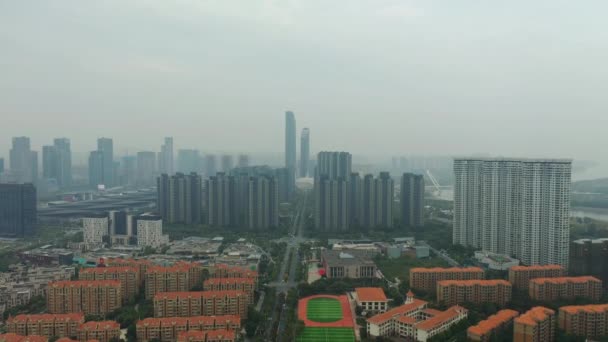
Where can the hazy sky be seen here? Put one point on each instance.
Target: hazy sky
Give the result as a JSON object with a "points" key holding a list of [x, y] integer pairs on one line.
{"points": [[513, 78]]}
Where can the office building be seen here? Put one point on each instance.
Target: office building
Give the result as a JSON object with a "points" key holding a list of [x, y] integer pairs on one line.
{"points": [[47, 325], [536, 325], [371, 299], [412, 200], [127, 276], [552, 289], [189, 161], [227, 163], [206, 303], [590, 321], [146, 168], [104, 331], [290, 152], [353, 264], [493, 327], [520, 276], [165, 157], [169, 329], [235, 284], [584, 256], [453, 292], [413, 321], [23, 161], [426, 278], [179, 198], [150, 232], [94, 228], [210, 165], [304, 152], [385, 189], [106, 147], [243, 161], [91, 297], [57, 162], [517, 207], [17, 210]]}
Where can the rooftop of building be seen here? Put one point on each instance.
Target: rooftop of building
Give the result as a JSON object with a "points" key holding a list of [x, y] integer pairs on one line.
{"points": [[523, 160], [80, 283], [206, 320], [347, 257], [230, 281], [592, 241], [97, 325], [198, 294], [473, 282], [441, 318], [109, 269], [534, 316], [446, 270], [12, 337], [398, 311], [370, 294], [536, 268], [565, 280], [493, 322], [592, 308], [46, 317]]}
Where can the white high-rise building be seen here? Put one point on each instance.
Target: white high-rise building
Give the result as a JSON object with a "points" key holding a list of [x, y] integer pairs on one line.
{"points": [[94, 229], [150, 232], [519, 207]]}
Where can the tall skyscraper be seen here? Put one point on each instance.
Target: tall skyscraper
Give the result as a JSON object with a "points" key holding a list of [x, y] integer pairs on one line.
{"points": [[243, 160], [146, 168], [227, 163], [368, 216], [290, 151], [331, 189], [519, 207], [24, 161], [166, 160], [210, 165], [412, 200], [221, 206], [179, 198], [17, 210], [355, 195], [106, 147], [63, 172], [188, 161], [128, 171], [304, 152], [95, 169], [49, 162], [1, 166], [385, 189], [262, 206]]}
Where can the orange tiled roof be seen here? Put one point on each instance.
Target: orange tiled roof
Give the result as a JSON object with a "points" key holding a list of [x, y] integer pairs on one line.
{"points": [[49, 317], [537, 268], [193, 333], [446, 270], [82, 283], [230, 281], [112, 269], [400, 310], [406, 319], [101, 325], [482, 282], [169, 269], [12, 337], [593, 308], [199, 294], [493, 322], [370, 294], [431, 312], [207, 320], [564, 280], [534, 315], [441, 318], [227, 334]]}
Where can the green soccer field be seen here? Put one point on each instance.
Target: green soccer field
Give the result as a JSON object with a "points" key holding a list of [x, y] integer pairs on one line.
{"points": [[324, 310], [327, 335]]}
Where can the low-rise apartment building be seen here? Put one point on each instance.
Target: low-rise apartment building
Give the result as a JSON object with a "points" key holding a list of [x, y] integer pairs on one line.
{"points": [[206, 303], [169, 328], [207, 336], [536, 325], [91, 297], [493, 326], [550, 289], [101, 331], [426, 278], [234, 284], [226, 271], [49, 325], [590, 321], [371, 299], [127, 275], [453, 292], [520, 276], [12, 337]]}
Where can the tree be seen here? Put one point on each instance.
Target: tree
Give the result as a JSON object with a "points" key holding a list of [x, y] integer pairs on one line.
{"points": [[300, 327]]}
